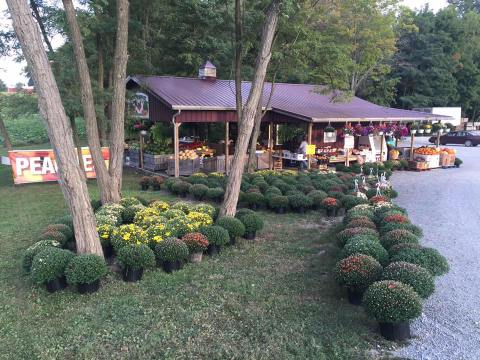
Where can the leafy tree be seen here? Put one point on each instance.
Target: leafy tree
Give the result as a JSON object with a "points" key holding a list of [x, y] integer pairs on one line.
{"points": [[3, 86]]}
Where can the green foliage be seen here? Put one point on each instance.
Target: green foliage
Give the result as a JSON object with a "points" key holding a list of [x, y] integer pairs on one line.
{"points": [[136, 256], [252, 221], [182, 206], [400, 236], [234, 226], [196, 242], [49, 264], [85, 269], [345, 235], [317, 197], [417, 277], [350, 201], [64, 229], [129, 213], [180, 187], [427, 258], [215, 194], [392, 302], [395, 249], [33, 250], [130, 201], [366, 247], [363, 222], [171, 249], [357, 271], [277, 202], [406, 226], [199, 191], [216, 235], [55, 236], [299, 201]]}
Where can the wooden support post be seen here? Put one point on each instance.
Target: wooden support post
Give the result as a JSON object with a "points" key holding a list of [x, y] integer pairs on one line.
{"points": [[411, 146], [438, 139], [382, 139], [176, 148], [141, 151], [270, 146], [227, 140], [347, 160], [310, 128]]}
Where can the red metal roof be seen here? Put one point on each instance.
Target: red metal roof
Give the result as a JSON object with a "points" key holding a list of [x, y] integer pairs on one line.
{"points": [[298, 100]]}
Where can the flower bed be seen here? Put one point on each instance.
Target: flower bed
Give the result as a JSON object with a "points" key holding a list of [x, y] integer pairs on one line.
{"points": [[392, 242]]}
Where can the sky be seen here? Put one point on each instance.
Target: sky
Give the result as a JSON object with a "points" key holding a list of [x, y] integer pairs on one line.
{"points": [[11, 72]]}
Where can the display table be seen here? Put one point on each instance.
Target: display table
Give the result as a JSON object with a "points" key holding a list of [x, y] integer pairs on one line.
{"points": [[432, 161], [342, 158]]}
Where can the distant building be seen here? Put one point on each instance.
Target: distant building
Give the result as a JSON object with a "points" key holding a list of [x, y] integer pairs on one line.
{"points": [[454, 112]]}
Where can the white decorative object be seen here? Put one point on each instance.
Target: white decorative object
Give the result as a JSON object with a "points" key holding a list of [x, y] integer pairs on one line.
{"points": [[413, 131]]}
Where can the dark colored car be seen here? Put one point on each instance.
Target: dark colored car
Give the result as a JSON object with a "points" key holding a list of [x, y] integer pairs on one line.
{"points": [[467, 138]]}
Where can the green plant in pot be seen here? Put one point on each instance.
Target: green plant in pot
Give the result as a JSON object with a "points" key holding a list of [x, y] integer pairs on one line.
{"points": [[62, 228], [356, 273], [197, 243], [393, 304], [85, 271], [234, 227], [331, 205], [34, 249], [48, 268], [171, 253], [458, 162], [329, 131], [300, 202], [217, 237], [254, 200], [134, 258], [199, 191], [317, 197], [252, 222], [417, 277], [144, 183], [156, 182], [278, 203]]}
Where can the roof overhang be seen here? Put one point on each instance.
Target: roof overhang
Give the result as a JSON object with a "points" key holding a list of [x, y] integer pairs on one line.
{"points": [[416, 118]]}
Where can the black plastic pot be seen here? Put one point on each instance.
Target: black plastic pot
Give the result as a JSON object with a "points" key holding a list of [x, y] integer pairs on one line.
{"points": [[170, 266], [156, 187], [132, 275], [107, 250], [213, 249], [331, 212], [253, 206], [233, 240], [280, 210], [56, 284], [144, 187], [396, 332], [301, 210], [250, 235], [88, 288], [354, 296]]}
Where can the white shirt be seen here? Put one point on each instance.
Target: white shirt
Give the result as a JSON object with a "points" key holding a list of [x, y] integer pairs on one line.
{"points": [[303, 148]]}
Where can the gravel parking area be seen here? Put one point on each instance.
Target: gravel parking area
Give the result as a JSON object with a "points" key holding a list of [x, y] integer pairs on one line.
{"points": [[446, 204]]}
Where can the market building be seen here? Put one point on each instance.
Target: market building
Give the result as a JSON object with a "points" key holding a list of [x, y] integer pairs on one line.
{"points": [[328, 124]]}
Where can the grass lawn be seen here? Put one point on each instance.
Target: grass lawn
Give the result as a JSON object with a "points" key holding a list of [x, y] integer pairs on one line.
{"points": [[270, 299]]}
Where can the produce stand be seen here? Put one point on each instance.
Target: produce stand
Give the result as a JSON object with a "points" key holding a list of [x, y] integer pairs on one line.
{"points": [[186, 167]]}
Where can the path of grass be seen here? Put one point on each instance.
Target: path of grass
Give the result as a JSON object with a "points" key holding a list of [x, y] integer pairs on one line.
{"points": [[271, 299]]}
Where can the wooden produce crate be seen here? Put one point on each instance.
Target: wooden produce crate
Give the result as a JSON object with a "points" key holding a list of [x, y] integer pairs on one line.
{"points": [[417, 165], [262, 161], [187, 167], [433, 161], [215, 163], [155, 162], [447, 160]]}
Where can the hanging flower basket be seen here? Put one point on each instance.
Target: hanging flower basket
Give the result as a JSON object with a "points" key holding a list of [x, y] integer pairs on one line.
{"points": [[421, 131], [413, 131]]}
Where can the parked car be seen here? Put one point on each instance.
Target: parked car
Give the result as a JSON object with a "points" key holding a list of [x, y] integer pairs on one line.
{"points": [[468, 138]]}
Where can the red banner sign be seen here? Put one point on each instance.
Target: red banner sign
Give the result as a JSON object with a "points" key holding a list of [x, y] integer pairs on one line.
{"points": [[32, 166]]}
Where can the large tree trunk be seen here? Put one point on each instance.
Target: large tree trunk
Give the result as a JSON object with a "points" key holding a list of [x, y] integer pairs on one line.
{"points": [[102, 123], [238, 58], [72, 180], [36, 15], [117, 133], [229, 205], [107, 193], [252, 156], [7, 143], [76, 141]]}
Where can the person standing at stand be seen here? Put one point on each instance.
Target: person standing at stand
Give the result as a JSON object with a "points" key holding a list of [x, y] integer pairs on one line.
{"points": [[302, 149]]}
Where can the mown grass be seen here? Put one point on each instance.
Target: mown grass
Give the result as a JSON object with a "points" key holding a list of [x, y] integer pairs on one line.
{"points": [[270, 299]]}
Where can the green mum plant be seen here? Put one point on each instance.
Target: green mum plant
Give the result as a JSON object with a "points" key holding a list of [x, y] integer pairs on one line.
{"points": [[417, 277], [395, 249], [50, 264], [171, 249], [64, 229], [136, 256], [85, 269], [130, 201], [300, 201], [345, 235], [366, 247], [357, 271], [399, 236], [363, 222], [277, 202], [199, 191], [427, 258], [54, 235], [182, 206], [33, 250], [252, 222], [390, 301], [234, 226], [216, 235]]}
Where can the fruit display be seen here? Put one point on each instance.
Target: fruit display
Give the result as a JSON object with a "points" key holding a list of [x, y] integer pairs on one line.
{"points": [[205, 151], [425, 150], [447, 151], [188, 155]]}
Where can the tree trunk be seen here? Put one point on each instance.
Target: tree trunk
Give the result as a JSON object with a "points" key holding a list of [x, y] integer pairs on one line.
{"points": [[7, 143], [117, 133], [72, 179], [107, 193], [76, 141], [101, 120], [252, 157], [238, 58], [36, 15], [229, 205]]}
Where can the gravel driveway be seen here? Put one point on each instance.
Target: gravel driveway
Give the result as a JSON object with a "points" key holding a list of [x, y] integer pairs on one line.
{"points": [[446, 204]]}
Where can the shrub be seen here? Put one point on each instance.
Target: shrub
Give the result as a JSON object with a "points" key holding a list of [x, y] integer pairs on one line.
{"points": [[179, 226], [64, 229], [357, 271], [49, 264], [299, 201], [395, 226], [144, 181], [395, 218], [157, 181], [350, 201], [395, 249], [128, 234], [366, 247], [330, 203], [215, 194], [54, 235], [417, 277], [182, 206], [159, 206], [130, 201], [196, 242], [34, 249], [130, 212], [317, 196], [85, 269], [272, 190], [142, 200], [242, 212], [277, 202], [378, 198], [392, 302], [136, 256], [344, 235], [67, 220], [363, 221], [400, 236], [458, 162], [105, 233], [253, 222], [427, 258], [181, 187], [171, 249], [355, 214], [254, 199], [204, 209], [371, 193], [196, 220], [199, 191], [363, 237], [390, 193], [216, 235], [234, 226]]}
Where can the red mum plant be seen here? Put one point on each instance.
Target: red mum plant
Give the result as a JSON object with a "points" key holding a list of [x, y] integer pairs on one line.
{"points": [[357, 271], [378, 198], [195, 241], [330, 203], [396, 218]]}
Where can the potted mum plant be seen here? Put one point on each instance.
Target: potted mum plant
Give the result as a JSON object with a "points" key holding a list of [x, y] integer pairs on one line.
{"points": [[253, 223], [331, 205], [416, 276], [144, 183], [393, 304], [48, 268], [171, 253], [300, 202], [85, 271], [134, 258], [197, 243], [329, 131], [278, 203], [356, 273], [234, 227], [421, 128], [217, 237], [414, 128], [427, 128], [156, 182]]}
